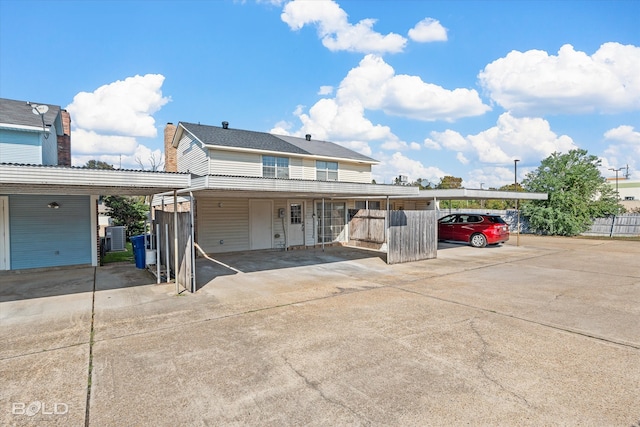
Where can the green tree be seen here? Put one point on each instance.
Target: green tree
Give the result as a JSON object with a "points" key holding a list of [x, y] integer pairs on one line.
{"points": [[128, 211], [422, 184], [449, 181], [97, 164], [577, 194]]}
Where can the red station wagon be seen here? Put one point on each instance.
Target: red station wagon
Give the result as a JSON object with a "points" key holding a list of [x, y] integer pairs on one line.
{"points": [[477, 229]]}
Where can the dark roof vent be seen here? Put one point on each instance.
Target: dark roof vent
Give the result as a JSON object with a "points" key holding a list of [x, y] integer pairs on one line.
{"points": [[225, 125], [308, 137]]}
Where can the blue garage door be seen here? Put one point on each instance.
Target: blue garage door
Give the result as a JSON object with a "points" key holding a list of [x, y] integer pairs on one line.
{"points": [[43, 236]]}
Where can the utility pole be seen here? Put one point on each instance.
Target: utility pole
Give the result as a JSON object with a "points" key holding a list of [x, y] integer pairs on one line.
{"points": [[616, 171]]}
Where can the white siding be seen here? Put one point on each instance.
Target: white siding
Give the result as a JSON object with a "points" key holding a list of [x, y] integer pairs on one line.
{"points": [[235, 163], [191, 156], [297, 168], [309, 169], [351, 172], [347, 172], [225, 220]]}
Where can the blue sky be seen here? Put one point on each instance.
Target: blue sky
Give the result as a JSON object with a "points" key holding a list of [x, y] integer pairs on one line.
{"points": [[428, 88]]}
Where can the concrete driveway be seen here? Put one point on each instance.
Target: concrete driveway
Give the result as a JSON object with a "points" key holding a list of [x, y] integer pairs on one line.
{"points": [[546, 333]]}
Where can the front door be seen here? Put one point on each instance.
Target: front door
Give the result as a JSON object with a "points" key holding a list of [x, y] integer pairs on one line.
{"points": [[295, 230], [261, 224]]}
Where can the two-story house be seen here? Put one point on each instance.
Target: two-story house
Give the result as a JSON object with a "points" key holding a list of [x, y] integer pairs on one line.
{"points": [[48, 209], [255, 190]]}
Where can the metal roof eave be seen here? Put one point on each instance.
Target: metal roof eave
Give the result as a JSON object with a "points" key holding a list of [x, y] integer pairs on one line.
{"points": [[472, 194], [288, 187], [33, 179]]}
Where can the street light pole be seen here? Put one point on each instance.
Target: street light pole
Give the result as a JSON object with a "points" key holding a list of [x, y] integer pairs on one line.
{"points": [[515, 188]]}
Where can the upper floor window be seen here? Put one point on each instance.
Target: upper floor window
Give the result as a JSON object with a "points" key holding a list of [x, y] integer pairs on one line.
{"points": [[275, 167], [326, 171]]}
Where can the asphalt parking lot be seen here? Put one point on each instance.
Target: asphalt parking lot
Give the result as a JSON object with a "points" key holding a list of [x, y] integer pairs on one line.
{"points": [[544, 333]]}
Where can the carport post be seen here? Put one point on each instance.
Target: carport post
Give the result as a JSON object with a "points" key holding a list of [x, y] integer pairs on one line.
{"points": [[158, 253], [322, 224], [192, 208], [166, 251], [175, 239]]}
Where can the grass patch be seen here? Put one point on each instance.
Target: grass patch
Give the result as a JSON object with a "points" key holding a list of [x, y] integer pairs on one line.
{"points": [[124, 256]]}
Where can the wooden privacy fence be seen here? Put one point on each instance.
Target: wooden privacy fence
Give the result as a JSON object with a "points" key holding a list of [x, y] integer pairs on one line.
{"points": [[367, 227], [412, 235], [623, 225], [185, 276]]}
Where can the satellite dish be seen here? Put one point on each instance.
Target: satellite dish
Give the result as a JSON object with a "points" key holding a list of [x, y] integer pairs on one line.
{"points": [[40, 109]]}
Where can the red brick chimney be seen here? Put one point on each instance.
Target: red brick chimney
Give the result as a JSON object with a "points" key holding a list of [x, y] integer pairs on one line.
{"points": [[170, 153], [64, 140]]}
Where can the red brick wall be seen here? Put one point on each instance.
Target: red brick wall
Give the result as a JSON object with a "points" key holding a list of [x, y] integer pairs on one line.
{"points": [[64, 141], [170, 153]]}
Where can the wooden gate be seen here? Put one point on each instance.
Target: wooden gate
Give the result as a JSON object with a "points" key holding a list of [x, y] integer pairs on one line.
{"points": [[185, 276], [413, 236]]}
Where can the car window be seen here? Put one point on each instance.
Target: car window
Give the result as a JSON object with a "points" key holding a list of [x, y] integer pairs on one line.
{"points": [[474, 218], [496, 219], [448, 219], [462, 218]]}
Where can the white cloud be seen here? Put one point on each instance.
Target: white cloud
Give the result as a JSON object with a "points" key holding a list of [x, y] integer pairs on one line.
{"points": [[428, 30], [399, 164], [462, 159], [325, 90], [528, 139], [335, 30], [124, 107], [107, 122], [449, 139], [415, 146], [431, 144], [85, 142], [625, 134], [493, 177], [624, 150], [534, 82], [375, 84]]}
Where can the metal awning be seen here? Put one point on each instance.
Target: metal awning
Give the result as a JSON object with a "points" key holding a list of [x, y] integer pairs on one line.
{"points": [[471, 194], [35, 179], [256, 187]]}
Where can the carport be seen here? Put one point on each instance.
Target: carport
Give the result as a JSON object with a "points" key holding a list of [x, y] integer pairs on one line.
{"points": [[55, 198], [228, 211], [227, 202]]}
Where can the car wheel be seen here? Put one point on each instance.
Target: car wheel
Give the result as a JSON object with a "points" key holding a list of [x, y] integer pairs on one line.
{"points": [[478, 240]]}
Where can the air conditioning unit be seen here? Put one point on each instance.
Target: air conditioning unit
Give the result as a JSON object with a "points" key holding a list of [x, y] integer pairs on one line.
{"points": [[116, 238]]}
